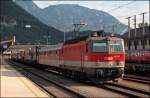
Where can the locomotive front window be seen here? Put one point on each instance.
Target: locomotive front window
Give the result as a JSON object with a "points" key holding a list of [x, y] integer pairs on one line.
{"points": [[99, 47], [116, 47]]}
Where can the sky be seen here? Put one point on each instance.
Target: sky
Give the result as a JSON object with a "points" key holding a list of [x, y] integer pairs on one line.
{"points": [[118, 9]]}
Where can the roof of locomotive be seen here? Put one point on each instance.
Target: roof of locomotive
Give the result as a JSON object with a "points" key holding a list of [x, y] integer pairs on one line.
{"points": [[101, 35], [76, 40], [105, 38], [83, 38]]}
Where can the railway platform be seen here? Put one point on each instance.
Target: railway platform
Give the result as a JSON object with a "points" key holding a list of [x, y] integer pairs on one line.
{"points": [[14, 84]]}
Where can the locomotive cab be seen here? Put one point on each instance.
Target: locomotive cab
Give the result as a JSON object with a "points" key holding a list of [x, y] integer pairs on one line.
{"points": [[107, 56]]}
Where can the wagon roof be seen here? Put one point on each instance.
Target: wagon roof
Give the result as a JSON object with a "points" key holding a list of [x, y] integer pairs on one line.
{"points": [[51, 47]]}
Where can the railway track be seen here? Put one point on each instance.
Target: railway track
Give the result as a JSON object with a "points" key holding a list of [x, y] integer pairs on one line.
{"points": [[135, 78], [81, 90], [129, 91], [85, 90], [51, 87]]}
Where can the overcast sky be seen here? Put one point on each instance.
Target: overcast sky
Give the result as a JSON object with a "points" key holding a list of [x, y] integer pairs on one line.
{"points": [[119, 9]]}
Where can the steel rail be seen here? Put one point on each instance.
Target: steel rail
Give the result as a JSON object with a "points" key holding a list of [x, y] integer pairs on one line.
{"points": [[137, 79], [29, 70], [131, 92]]}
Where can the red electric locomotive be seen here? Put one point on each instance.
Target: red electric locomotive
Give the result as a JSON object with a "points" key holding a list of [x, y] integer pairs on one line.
{"points": [[93, 57]]}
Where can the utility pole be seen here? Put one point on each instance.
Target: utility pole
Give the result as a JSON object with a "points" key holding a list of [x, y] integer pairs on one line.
{"points": [[113, 28], [103, 25], [14, 40], [143, 21], [47, 37], [135, 25], [128, 26], [64, 37]]}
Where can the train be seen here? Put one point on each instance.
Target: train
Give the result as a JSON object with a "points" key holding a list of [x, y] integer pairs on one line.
{"points": [[138, 61], [95, 57], [138, 56], [137, 49]]}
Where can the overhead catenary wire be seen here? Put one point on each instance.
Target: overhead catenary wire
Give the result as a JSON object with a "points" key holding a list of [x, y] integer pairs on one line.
{"points": [[121, 6]]}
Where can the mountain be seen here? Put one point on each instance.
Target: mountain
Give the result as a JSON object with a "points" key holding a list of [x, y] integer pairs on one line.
{"points": [[14, 20], [30, 7], [63, 16]]}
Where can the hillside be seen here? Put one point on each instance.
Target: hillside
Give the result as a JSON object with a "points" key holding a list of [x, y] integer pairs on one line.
{"points": [[63, 17], [14, 20]]}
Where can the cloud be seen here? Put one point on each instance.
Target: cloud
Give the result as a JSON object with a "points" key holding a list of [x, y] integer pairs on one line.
{"points": [[43, 4]]}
